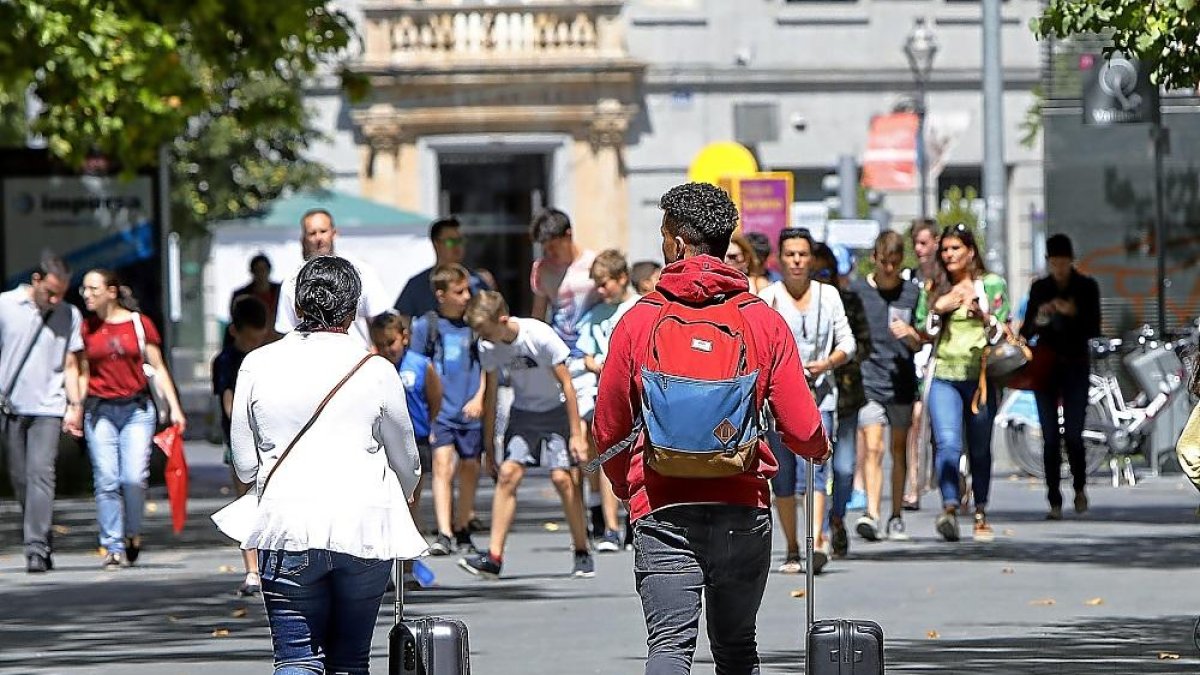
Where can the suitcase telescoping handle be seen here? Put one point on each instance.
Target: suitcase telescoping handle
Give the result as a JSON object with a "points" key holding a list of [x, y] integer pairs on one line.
{"points": [[809, 506], [398, 582]]}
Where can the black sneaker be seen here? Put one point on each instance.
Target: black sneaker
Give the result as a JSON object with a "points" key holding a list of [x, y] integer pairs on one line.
{"points": [[597, 529], [839, 541], [820, 560], [36, 564], [133, 548], [475, 526], [481, 565], [867, 528], [251, 585], [441, 546], [462, 541], [947, 524], [584, 567]]}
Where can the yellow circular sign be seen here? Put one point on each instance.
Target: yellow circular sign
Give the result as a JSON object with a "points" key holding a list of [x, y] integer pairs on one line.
{"points": [[721, 160]]}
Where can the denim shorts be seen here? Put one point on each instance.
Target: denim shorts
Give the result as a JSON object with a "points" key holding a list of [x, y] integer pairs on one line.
{"points": [[893, 415], [468, 443]]}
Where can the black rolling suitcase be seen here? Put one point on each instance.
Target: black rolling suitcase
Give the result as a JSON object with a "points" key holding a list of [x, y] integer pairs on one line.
{"points": [[429, 646], [835, 646]]}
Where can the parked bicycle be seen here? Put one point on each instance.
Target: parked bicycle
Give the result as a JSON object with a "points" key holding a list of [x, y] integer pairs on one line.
{"points": [[1116, 428]]}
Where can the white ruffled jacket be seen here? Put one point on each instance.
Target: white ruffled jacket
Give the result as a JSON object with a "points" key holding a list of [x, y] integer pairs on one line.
{"points": [[345, 486]]}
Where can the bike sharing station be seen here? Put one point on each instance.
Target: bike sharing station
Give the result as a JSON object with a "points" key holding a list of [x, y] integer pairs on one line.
{"points": [[1114, 185]]}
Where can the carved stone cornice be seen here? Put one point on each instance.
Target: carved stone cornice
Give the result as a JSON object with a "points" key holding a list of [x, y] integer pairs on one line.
{"points": [[610, 123], [380, 127]]}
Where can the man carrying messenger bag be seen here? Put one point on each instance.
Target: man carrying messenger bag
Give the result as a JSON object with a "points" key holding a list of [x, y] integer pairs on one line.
{"points": [[40, 342]]}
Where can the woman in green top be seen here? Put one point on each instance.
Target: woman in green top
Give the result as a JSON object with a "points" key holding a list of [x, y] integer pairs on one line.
{"points": [[963, 309]]}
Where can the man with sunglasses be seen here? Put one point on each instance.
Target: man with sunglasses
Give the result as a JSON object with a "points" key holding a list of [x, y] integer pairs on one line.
{"points": [[40, 343], [449, 248]]}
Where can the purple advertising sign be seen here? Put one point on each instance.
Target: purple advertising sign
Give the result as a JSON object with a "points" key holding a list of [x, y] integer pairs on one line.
{"points": [[764, 203]]}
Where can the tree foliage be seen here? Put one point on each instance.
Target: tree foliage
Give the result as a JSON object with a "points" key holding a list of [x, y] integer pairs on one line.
{"points": [[219, 82], [1165, 33], [241, 154]]}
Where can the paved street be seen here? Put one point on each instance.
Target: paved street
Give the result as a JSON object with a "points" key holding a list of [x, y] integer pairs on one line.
{"points": [[1110, 593]]}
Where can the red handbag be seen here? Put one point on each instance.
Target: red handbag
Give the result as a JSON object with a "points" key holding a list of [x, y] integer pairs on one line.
{"points": [[1037, 373]]}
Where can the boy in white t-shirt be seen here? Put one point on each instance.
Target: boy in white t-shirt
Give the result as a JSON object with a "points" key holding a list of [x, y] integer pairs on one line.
{"points": [[544, 429], [610, 273]]}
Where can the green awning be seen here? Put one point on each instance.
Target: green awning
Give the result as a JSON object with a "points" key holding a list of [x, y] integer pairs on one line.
{"points": [[348, 211]]}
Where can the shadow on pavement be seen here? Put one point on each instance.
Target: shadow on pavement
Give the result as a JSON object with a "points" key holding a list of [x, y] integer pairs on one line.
{"points": [[122, 617], [1168, 551], [127, 620], [1152, 514], [1112, 646]]}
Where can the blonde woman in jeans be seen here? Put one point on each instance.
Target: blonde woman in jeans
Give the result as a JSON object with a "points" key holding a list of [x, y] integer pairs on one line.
{"points": [[336, 513], [963, 309]]}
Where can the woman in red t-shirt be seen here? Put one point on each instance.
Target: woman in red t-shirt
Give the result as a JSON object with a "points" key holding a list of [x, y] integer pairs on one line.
{"points": [[119, 414]]}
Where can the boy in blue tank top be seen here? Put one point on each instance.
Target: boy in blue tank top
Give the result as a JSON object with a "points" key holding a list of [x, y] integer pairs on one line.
{"points": [[390, 335]]}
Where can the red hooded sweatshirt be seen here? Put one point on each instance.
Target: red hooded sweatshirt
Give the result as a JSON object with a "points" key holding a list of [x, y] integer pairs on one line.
{"points": [[781, 382]]}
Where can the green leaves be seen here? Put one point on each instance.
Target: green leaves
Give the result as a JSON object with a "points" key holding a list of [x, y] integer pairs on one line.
{"points": [[123, 77], [1163, 32], [218, 81]]}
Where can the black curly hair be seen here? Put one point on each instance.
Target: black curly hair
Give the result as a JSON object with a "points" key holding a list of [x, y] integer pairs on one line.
{"points": [[702, 215], [327, 293]]}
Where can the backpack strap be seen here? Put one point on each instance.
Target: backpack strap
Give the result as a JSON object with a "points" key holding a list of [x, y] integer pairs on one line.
{"points": [[432, 334]]}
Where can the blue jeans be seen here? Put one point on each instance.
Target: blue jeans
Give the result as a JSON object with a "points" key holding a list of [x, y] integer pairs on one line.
{"points": [[790, 479], [119, 436], [845, 458], [953, 422], [322, 608], [711, 555]]}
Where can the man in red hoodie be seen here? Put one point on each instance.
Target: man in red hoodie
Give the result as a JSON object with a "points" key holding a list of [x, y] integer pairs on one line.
{"points": [[702, 537]]}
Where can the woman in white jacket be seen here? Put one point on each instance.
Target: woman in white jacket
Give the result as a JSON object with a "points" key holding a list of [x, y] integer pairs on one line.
{"points": [[335, 515]]}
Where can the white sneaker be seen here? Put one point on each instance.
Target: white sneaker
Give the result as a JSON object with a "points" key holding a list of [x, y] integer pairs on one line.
{"points": [[867, 528], [895, 529]]}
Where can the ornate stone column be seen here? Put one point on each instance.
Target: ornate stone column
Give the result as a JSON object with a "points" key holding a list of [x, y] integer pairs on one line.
{"points": [[601, 196], [390, 172]]}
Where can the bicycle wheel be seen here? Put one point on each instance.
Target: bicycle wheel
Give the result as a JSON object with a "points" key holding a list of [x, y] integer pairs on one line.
{"points": [[1096, 452], [1018, 431], [1024, 442]]}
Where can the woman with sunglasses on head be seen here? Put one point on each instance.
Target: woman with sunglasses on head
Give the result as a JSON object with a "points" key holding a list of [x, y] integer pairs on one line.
{"points": [[963, 311], [119, 413], [741, 256]]}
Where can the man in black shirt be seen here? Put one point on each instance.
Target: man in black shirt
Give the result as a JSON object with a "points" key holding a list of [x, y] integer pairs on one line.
{"points": [[1063, 314]]}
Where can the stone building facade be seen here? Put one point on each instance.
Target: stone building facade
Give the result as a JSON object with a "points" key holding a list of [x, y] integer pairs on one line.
{"points": [[491, 109]]}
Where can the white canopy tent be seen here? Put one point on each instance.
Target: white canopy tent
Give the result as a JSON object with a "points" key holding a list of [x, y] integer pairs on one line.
{"points": [[393, 241]]}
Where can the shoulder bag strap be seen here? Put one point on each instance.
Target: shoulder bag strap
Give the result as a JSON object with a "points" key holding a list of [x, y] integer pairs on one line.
{"points": [[37, 332], [312, 420], [140, 331]]}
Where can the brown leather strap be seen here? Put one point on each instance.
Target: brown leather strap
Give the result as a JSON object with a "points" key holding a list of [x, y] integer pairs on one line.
{"points": [[981, 391], [312, 420]]}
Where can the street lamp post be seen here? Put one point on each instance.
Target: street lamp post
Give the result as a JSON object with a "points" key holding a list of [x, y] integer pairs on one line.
{"points": [[920, 47]]}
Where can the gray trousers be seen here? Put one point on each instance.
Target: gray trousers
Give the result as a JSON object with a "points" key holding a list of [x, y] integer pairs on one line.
{"points": [[31, 449]]}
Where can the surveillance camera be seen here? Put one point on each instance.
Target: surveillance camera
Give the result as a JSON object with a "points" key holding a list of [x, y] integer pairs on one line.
{"points": [[799, 122]]}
